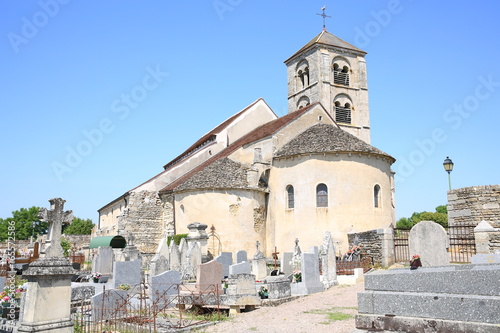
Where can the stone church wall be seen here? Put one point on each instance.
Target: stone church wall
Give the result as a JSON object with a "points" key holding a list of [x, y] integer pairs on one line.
{"points": [[144, 219], [471, 205], [238, 215]]}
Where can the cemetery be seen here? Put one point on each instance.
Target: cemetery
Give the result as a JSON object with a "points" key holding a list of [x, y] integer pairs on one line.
{"points": [[184, 285]]}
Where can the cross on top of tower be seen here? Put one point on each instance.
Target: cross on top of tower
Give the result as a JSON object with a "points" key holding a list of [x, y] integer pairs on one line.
{"points": [[324, 17]]}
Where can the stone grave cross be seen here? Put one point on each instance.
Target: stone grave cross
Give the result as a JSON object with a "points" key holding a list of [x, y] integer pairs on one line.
{"points": [[56, 216]]}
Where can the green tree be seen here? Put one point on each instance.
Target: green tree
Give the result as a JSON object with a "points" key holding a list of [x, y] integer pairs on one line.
{"points": [[440, 216], [25, 222], [66, 246], [78, 227]]}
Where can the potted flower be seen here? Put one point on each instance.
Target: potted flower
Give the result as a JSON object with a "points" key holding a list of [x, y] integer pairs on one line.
{"points": [[297, 276], [96, 276], [415, 262], [263, 292]]}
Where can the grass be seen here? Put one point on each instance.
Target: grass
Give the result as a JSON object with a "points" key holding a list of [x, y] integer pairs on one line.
{"points": [[333, 314]]}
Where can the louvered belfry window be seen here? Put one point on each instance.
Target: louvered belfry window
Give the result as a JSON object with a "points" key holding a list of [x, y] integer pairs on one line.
{"points": [[343, 113], [340, 75]]}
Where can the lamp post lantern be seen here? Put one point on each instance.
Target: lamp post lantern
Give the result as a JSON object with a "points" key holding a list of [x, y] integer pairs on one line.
{"points": [[448, 167]]}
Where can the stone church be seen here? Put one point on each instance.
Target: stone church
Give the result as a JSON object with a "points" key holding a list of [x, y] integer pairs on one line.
{"points": [[260, 177]]}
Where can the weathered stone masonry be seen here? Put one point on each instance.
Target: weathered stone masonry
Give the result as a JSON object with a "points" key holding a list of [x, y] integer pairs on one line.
{"points": [[471, 205]]}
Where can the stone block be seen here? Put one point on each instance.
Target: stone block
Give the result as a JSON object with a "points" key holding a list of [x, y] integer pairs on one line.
{"points": [[457, 307], [456, 279], [279, 288], [486, 258]]}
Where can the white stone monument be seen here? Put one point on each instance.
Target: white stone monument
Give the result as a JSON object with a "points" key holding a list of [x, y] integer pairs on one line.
{"points": [[47, 301]]}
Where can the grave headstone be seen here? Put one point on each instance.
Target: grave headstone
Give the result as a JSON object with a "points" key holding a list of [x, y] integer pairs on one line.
{"points": [[190, 266], [175, 257], [259, 268], [183, 250], [208, 277], [311, 282], [258, 253], [226, 259], [109, 305], [286, 260], [241, 268], [103, 261], [241, 256], [158, 265], [127, 272], [164, 286], [328, 261], [430, 241]]}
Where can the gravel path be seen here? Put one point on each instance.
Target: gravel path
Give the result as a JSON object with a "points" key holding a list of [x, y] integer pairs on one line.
{"points": [[329, 311]]}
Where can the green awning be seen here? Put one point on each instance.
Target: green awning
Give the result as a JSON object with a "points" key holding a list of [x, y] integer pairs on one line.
{"points": [[117, 242]]}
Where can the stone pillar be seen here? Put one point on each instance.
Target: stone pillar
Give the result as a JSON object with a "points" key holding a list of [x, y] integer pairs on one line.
{"points": [[48, 298], [47, 301], [482, 237], [197, 233], [387, 241]]}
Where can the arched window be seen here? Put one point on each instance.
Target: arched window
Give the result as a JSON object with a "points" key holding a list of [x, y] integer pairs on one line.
{"points": [[343, 113], [290, 197], [302, 74], [376, 196], [340, 75], [321, 195], [303, 101]]}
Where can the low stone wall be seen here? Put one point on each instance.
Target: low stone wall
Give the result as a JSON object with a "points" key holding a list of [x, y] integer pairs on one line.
{"points": [[376, 244], [471, 205], [444, 298]]}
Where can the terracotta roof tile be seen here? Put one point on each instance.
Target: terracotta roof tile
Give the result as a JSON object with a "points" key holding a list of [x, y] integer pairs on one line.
{"points": [[257, 134]]}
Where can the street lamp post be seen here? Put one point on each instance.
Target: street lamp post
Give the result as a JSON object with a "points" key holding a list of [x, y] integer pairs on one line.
{"points": [[448, 167]]}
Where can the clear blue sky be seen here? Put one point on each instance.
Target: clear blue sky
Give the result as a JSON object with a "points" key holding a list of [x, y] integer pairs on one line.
{"points": [[67, 130]]}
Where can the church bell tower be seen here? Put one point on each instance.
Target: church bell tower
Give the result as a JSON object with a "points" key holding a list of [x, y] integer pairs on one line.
{"points": [[333, 72]]}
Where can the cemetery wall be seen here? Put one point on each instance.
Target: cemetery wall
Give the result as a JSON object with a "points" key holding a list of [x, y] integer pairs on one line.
{"points": [[471, 205], [376, 244]]}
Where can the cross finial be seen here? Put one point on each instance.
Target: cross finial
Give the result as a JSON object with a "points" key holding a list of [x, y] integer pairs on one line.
{"points": [[324, 17]]}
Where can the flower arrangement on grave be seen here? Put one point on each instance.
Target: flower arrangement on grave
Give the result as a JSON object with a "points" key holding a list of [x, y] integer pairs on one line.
{"points": [[415, 262], [124, 286], [297, 276], [96, 276], [263, 292]]}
